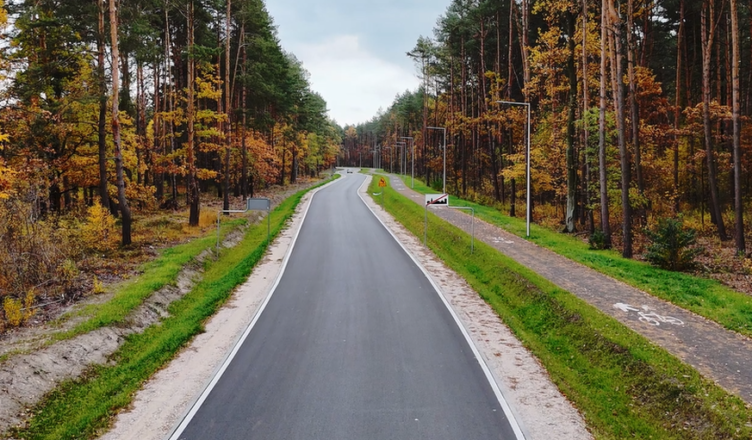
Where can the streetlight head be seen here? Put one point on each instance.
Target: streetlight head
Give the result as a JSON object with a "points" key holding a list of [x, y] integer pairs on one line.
{"points": [[513, 103]]}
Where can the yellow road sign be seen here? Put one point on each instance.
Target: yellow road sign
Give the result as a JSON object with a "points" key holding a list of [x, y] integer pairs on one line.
{"points": [[382, 183]]}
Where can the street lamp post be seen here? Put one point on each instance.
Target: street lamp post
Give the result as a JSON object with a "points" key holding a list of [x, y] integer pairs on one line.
{"points": [[444, 131], [527, 159], [412, 144]]}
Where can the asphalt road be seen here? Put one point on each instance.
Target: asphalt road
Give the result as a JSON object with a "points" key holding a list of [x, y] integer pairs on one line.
{"points": [[354, 344]]}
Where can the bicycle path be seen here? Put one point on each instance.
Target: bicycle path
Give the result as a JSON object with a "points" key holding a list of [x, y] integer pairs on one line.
{"points": [[717, 353]]}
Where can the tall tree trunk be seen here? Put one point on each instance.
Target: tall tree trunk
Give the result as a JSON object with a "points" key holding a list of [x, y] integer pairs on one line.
{"points": [[634, 110], [284, 156], [192, 184], [618, 59], [708, 33], [124, 209], [510, 66], [678, 104], [102, 123], [424, 62], [585, 113], [228, 122], [244, 172], [571, 134], [602, 177], [158, 135], [525, 46], [736, 120], [141, 150], [526, 70]]}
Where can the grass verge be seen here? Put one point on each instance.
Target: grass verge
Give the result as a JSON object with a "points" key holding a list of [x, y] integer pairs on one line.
{"points": [[706, 297], [625, 386], [83, 408], [155, 275]]}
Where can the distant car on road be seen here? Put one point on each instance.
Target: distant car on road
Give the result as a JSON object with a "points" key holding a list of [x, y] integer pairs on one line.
{"points": [[349, 170]]}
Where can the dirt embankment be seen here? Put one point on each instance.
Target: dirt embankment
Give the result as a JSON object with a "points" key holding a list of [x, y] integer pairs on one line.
{"points": [[33, 367]]}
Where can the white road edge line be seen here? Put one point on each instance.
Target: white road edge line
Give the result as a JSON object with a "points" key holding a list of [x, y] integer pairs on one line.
{"points": [[178, 430], [487, 371]]}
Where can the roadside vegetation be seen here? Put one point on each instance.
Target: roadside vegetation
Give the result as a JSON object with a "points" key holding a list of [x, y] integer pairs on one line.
{"points": [[625, 386], [83, 408], [98, 171], [706, 297]]}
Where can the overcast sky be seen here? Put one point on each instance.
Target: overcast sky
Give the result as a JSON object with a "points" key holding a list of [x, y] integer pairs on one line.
{"points": [[355, 49]]}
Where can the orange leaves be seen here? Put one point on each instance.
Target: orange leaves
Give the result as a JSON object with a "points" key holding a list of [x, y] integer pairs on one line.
{"points": [[262, 156], [6, 174]]}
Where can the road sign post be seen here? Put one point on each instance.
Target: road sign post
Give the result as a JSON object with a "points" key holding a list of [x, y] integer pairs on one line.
{"points": [[262, 204], [382, 185], [432, 199], [258, 204]]}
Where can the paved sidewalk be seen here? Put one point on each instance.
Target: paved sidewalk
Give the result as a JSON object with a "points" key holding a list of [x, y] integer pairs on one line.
{"points": [[719, 354]]}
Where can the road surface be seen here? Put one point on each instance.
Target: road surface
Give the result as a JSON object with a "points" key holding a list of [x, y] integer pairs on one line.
{"points": [[355, 343]]}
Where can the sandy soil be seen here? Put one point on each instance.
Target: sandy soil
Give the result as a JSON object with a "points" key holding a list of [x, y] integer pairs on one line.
{"points": [[539, 407]]}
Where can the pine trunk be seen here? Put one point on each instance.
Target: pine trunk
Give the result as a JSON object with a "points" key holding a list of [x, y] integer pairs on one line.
{"points": [[736, 120], [708, 33], [124, 209], [228, 122], [571, 133], [102, 123], [192, 184], [618, 60], [678, 104]]}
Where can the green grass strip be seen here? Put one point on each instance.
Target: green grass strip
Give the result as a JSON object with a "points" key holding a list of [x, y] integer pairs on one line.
{"points": [[155, 274], [83, 408], [706, 297], [625, 386]]}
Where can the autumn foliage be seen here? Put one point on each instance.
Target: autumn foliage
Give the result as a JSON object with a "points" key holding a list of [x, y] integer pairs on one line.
{"points": [[632, 104], [80, 160]]}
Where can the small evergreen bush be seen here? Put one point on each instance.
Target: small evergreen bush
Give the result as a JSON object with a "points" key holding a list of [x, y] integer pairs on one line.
{"points": [[598, 240], [671, 246]]}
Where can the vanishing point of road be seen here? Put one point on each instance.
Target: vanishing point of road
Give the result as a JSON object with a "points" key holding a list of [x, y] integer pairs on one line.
{"points": [[354, 343]]}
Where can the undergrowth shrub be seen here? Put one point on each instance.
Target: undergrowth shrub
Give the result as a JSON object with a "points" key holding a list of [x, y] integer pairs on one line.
{"points": [[19, 311], [98, 233], [598, 240], [96, 286], [671, 245], [33, 256]]}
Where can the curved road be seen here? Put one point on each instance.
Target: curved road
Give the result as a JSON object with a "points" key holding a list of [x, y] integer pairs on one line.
{"points": [[355, 343]]}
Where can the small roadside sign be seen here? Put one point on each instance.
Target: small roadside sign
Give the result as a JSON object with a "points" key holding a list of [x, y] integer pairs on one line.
{"points": [[258, 204], [437, 199], [382, 183]]}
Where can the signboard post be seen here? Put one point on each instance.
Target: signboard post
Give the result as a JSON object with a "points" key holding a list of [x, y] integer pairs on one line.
{"points": [[382, 184], [437, 200], [443, 200], [262, 204], [258, 204]]}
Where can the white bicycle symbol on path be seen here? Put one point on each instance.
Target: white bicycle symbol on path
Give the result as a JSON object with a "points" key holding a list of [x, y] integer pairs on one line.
{"points": [[648, 316]]}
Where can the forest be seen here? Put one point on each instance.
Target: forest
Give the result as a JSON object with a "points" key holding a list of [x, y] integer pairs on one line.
{"points": [[113, 110], [639, 112]]}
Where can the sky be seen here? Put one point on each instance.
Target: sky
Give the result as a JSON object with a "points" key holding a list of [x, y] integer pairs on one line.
{"points": [[355, 50]]}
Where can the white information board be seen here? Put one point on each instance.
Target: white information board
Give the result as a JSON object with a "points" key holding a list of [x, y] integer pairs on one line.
{"points": [[437, 199]]}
